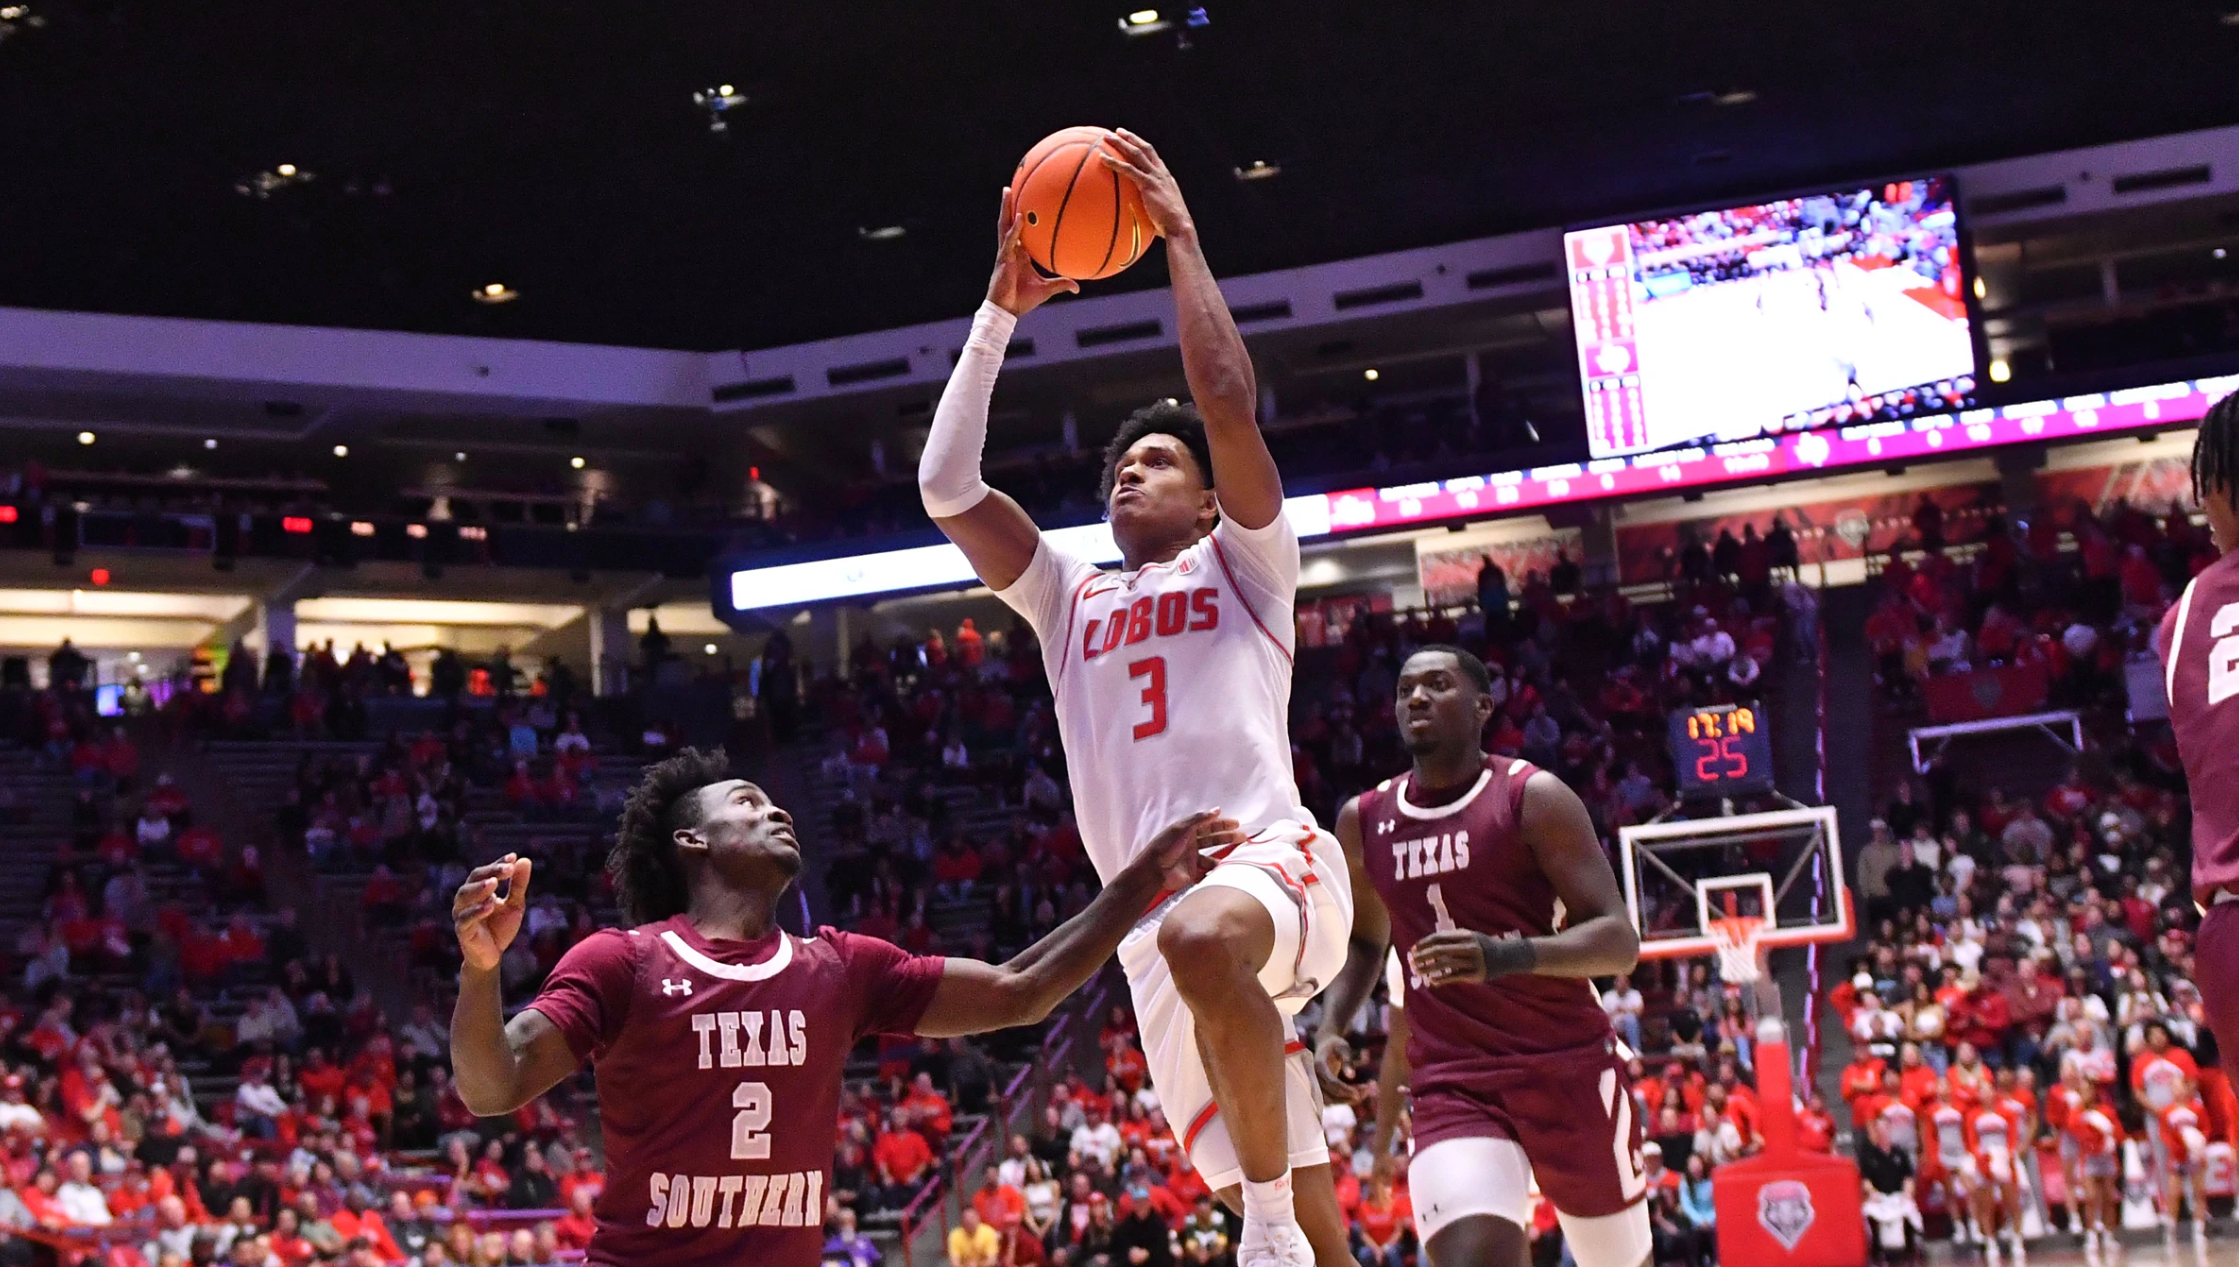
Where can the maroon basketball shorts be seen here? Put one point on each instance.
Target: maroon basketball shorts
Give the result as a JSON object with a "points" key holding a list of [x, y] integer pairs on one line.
{"points": [[2216, 970], [1570, 1112]]}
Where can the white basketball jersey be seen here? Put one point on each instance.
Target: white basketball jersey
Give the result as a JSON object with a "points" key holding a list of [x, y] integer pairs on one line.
{"points": [[1173, 683]]}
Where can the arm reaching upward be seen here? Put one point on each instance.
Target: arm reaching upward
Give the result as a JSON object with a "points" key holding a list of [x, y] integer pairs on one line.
{"points": [[499, 1065], [1597, 940], [991, 529], [1214, 359]]}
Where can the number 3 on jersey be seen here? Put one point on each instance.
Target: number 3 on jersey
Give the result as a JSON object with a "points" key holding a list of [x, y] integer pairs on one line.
{"points": [[1154, 695]]}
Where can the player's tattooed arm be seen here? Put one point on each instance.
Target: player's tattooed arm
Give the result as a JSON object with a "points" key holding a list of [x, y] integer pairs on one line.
{"points": [[1214, 359], [1597, 938], [1364, 957], [497, 1065], [974, 997]]}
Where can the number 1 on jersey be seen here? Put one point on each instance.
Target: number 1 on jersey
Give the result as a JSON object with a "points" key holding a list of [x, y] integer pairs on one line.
{"points": [[1437, 896], [1154, 695]]}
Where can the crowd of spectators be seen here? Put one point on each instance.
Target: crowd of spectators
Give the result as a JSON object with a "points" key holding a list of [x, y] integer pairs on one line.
{"points": [[2075, 591], [2015, 940]]}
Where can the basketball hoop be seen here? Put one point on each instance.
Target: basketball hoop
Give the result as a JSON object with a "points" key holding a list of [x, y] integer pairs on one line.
{"points": [[1736, 939]]}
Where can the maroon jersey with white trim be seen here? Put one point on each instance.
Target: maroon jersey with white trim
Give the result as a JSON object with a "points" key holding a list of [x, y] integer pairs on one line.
{"points": [[719, 1069], [2199, 646], [1465, 864]]}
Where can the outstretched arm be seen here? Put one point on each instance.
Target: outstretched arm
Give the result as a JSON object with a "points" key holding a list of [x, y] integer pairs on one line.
{"points": [[1597, 938], [991, 529], [974, 997], [1364, 958], [497, 1065], [1214, 360]]}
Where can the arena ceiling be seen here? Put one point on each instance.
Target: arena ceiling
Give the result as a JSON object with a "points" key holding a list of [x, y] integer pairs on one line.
{"points": [[374, 165]]}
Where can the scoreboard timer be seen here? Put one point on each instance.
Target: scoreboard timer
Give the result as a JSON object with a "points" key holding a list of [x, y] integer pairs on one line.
{"points": [[1723, 751]]}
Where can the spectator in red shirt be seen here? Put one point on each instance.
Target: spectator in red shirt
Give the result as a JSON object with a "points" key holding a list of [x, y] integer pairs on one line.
{"points": [[1000, 1205], [902, 1158], [1383, 1215], [575, 1227]]}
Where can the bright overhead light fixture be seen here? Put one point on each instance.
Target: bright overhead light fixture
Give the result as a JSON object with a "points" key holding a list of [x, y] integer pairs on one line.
{"points": [[210, 443], [85, 437], [711, 648], [1735, 97], [2000, 371], [1143, 22], [285, 169], [496, 293], [577, 463], [342, 450], [2218, 252], [1370, 374], [459, 456], [1260, 169], [1982, 289], [1142, 17]]}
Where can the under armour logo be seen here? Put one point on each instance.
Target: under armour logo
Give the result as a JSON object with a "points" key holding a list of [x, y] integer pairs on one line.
{"points": [[1387, 825], [670, 985]]}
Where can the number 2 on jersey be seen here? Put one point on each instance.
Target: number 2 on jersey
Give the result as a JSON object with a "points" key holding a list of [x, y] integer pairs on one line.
{"points": [[2223, 654], [750, 1137], [1154, 695]]}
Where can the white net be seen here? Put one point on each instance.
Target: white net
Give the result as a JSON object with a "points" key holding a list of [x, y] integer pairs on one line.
{"points": [[1737, 942]]}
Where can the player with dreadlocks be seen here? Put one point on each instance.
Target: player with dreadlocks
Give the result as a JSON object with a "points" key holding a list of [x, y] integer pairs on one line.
{"points": [[719, 1038], [2199, 646]]}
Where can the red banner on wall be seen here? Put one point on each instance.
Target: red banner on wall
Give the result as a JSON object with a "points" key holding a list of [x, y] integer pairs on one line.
{"points": [[2003, 691]]}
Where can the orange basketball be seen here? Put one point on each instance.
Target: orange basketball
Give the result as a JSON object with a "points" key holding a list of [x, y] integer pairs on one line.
{"points": [[1081, 219]]}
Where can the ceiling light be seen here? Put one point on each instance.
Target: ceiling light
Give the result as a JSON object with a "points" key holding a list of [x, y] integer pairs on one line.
{"points": [[133, 656], [1260, 169], [210, 443], [711, 648], [1142, 17], [418, 532], [1982, 291], [577, 463], [85, 437], [717, 102], [286, 169], [496, 293], [1143, 22], [2231, 18], [2218, 252], [342, 450], [885, 233], [459, 456], [1369, 374], [1736, 97], [362, 528], [2000, 371]]}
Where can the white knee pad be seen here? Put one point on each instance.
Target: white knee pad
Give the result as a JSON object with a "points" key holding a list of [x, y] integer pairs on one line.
{"points": [[1622, 1239], [1476, 1174]]}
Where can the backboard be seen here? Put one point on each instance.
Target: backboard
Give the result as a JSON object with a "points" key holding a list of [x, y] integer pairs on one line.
{"points": [[1784, 867]]}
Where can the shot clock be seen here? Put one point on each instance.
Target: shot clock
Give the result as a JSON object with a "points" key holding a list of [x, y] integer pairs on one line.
{"points": [[1722, 751]]}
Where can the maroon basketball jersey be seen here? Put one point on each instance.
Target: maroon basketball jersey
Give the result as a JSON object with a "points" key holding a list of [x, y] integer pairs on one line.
{"points": [[2199, 645], [1464, 864], [719, 1069]]}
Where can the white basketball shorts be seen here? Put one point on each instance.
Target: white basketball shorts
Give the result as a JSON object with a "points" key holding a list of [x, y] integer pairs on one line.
{"points": [[1298, 873]]}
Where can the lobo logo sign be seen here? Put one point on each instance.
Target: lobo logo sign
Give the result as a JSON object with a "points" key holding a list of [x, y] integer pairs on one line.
{"points": [[1784, 1208]]}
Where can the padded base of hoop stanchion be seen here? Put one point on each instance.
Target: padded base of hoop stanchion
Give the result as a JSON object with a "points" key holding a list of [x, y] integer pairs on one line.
{"points": [[1790, 1209], [1786, 1207]]}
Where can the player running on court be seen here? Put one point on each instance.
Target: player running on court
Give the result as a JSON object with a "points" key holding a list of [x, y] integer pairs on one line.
{"points": [[1172, 678], [1486, 873], [720, 1038], [2199, 647]]}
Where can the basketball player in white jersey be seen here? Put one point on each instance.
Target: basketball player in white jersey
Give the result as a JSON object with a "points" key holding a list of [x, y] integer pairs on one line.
{"points": [[1172, 678]]}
